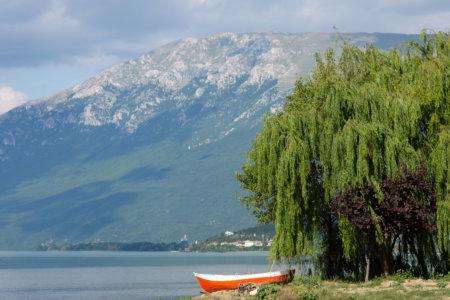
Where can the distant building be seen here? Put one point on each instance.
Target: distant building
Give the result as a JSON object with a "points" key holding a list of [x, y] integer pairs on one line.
{"points": [[229, 233], [238, 243], [248, 243]]}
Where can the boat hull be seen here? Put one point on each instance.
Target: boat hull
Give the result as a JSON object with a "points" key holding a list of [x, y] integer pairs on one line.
{"points": [[214, 283]]}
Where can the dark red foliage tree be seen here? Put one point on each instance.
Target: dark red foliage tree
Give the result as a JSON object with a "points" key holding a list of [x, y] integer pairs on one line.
{"points": [[408, 209]]}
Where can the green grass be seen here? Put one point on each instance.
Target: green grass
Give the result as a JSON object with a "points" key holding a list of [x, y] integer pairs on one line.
{"points": [[397, 287]]}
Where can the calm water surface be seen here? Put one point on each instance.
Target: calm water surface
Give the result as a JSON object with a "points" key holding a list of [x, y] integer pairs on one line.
{"points": [[115, 275]]}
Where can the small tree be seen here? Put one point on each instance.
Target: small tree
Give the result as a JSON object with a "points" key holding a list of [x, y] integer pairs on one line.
{"points": [[407, 211]]}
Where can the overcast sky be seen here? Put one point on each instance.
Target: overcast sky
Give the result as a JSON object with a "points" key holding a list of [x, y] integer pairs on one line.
{"points": [[50, 45]]}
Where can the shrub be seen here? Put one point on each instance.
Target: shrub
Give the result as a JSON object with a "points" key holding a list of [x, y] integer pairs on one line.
{"points": [[267, 291]]}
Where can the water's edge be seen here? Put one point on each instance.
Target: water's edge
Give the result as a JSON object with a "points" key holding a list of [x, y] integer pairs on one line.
{"points": [[116, 275]]}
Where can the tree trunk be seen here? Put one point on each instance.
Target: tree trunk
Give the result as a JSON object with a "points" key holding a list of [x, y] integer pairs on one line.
{"points": [[367, 257], [328, 251], [421, 258], [384, 259], [446, 260]]}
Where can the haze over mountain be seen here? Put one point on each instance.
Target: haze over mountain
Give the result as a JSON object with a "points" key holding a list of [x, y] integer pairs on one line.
{"points": [[147, 150]]}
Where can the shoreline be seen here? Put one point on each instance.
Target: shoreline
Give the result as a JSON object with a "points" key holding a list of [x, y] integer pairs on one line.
{"points": [[393, 287]]}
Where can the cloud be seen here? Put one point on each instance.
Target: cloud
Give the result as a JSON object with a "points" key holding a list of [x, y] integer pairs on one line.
{"points": [[34, 33], [10, 98]]}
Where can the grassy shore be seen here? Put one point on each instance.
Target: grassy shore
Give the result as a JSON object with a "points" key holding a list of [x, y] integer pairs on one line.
{"points": [[396, 287]]}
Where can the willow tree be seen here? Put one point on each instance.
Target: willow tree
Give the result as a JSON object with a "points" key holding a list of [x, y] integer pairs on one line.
{"points": [[360, 117]]}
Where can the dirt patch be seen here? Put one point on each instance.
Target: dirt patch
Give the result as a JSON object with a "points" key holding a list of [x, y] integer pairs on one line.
{"points": [[425, 285], [241, 293], [225, 295], [408, 285], [287, 294]]}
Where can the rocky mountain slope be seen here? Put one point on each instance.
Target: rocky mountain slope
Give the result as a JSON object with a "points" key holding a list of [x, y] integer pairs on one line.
{"points": [[147, 150]]}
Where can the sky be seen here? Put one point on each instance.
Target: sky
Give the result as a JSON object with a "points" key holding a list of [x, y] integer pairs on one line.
{"points": [[47, 46]]}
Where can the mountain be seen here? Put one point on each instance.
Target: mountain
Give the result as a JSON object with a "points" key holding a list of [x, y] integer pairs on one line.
{"points": [[147, 150]]}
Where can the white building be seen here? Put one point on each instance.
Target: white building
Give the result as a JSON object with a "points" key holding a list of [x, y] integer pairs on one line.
{"points": [[249, 243]]}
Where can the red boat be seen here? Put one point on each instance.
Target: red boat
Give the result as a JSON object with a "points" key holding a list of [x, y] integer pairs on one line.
{"points": [[213, 283]]}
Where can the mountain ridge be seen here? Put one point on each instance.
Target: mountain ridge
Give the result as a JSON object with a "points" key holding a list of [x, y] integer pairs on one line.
{"points": [[147, 149]]}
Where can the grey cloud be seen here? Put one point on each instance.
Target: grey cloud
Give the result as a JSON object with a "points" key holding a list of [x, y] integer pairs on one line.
{"points": [[134, 17], [19, 11], [414, 7], [64, 30], [39, 32]]}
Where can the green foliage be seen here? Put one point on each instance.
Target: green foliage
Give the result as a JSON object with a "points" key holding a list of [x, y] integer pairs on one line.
{"points": [[376, 281], [309, 282], [268, 291], [442, 277], [357, 118], [442, 280], [110, 246], [401, 275], [308, 296], [307, 286]]}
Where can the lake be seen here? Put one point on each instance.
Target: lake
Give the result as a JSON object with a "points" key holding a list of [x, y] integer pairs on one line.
{"points": [[115, 275]]}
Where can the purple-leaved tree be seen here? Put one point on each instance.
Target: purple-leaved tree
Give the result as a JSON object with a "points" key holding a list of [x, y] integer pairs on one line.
{"points": [[407, 209]]}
